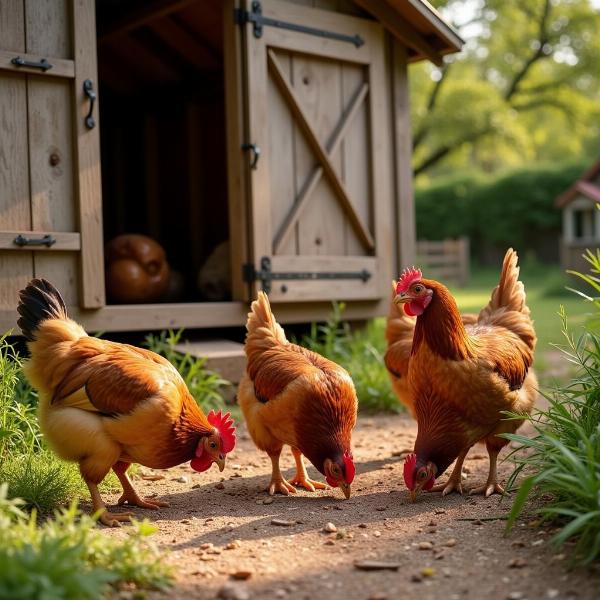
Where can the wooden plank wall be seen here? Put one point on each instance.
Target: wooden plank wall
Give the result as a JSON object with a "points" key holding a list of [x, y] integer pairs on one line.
{"points": [[446, 259]]}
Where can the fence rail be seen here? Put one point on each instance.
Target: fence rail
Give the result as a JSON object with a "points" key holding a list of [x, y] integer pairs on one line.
{"points": [[447, 260]]}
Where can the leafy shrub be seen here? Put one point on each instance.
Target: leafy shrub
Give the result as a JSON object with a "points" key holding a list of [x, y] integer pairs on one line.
{"points": [[513, 209], [360, 353], [67, 557], [205, 385], [563, 458]]}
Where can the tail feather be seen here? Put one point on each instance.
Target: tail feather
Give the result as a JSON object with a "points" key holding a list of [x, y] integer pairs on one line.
{"points": [[264, 332], [509, 294], [39, 301]]}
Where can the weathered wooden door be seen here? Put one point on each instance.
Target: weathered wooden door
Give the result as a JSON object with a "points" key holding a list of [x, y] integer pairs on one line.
{"points": [[320, 226], [50, 196]]}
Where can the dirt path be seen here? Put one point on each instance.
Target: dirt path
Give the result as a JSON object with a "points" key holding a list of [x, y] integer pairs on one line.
{"points": [[463, 560]]}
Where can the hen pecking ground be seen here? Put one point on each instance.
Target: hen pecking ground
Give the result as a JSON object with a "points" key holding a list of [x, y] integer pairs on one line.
{"points": [[452, 548]]}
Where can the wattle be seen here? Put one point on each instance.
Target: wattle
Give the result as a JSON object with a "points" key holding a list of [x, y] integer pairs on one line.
{"points": [[413, 309], [201, 463]]}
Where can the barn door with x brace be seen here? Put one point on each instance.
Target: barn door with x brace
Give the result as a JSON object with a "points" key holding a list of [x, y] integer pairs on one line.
{"points": [[316, 150]]}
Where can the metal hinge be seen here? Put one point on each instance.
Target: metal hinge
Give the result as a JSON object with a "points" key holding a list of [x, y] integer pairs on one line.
{"points": [[256, 17], [266, 276]]}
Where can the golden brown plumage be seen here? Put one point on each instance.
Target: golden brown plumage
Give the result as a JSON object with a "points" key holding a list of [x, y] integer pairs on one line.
{"points": [[462, 378], [106, 405], [290, 395]]}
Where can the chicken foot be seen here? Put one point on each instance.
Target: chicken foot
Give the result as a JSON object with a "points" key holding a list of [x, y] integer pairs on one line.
{"points": [[454, 483], [109, 519], [491, 486], [278, 482], [130, 496], [301, 478]]}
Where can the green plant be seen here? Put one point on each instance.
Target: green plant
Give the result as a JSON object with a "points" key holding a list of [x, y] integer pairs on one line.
{"points": [[562, 460], [68, 558], [360, 353], [204, 385], [19, 431]]}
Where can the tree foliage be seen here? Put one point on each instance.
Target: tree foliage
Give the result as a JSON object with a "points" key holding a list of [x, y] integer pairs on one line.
{"points": [[525, 88]]}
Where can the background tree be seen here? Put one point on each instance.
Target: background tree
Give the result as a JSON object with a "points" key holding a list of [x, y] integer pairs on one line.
{"points": [[526, 87]]}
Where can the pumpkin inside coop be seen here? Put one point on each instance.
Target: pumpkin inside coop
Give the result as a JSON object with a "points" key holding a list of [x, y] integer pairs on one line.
{"points": [[261, 144]]}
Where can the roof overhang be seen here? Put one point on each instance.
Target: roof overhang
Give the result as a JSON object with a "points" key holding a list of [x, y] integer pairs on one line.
{"points": [[417, 25], [584, 186]]}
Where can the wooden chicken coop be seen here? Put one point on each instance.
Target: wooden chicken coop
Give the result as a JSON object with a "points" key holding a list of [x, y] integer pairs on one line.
{"points": [[265, 143], [580, 219]]}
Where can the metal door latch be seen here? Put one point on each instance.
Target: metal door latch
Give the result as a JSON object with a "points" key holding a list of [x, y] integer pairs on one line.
{"points": [[46, 240], [266, 276], [88, 90], [255, 154], [43, 64]]}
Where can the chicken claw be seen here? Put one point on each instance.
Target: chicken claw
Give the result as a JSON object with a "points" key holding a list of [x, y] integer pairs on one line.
{"points": [[281, 486], [447, 488], [135, 500], [488, 489], [307, 483], [114, 519]]}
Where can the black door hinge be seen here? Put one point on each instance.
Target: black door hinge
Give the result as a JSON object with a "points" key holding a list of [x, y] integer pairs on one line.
{"points": [[259, 21], [266, 276]]}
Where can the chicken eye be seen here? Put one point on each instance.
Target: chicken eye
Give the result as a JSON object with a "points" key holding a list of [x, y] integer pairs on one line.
{"points": [[421, 475], [418, 289], [213, 445]]}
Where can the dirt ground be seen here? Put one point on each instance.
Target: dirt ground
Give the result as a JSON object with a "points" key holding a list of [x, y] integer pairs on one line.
{"points": [[442, 548]]}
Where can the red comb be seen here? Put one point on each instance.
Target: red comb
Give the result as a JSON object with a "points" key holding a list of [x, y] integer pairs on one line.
{"points": [[408, 277], [350, 468], [409, 468], [225, 427]]}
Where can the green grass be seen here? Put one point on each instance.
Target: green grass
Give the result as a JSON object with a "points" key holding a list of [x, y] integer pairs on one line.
{"points": [[562, 460], [68, 558]]}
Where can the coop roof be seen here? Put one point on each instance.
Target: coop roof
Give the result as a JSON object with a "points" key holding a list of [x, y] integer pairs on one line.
{"points": [[418, 25], [588, 185]]}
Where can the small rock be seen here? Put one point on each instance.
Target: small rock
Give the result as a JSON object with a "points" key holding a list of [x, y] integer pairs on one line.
{"points": [[381, 508], [416, 578], [329, 528], [515, 596], [268, 500], [338, 507], [428, 572], [518, 544], [206, 546], [206, 558], [375, 565], [517, 563], [330, 542], [233, 545], [214, 551], [232, 591], [450, 543], [186, 521], [183, 479], [362, 525], [377, 533], [241, 575], [341, 534], [282, 522], [439, 511], [196, 486], [551, 593], [425, 546], [220, 486]]}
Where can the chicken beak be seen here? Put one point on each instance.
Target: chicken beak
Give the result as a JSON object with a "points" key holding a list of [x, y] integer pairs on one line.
{"points": [[402, 298], [346, 489], [220, 462]]}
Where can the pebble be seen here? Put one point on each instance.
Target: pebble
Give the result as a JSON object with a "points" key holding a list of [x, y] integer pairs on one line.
{"points": [[206, 546], [183, 479], [232, 591], [439, 511], [375, 565], [425, 546], [552, 593], [362, 525], [185, 521], [416, 578], [282, 522], [330, 543], [241, 575], [377, 533], [329, 528], [341, 534], [515, 596], [196, 486], [450, 543], [268, 500], [428, 572], [517, 563], [233, 545], [220, 486]]}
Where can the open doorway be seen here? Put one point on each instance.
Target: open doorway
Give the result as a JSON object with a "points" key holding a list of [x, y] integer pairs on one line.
{"points": [[163, 140]]}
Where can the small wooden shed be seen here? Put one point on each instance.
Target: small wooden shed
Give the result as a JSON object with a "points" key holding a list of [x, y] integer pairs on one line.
{"points": [[580, 219], [277, 130]]}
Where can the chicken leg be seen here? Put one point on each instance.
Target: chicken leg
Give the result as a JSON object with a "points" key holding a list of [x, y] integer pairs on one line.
{"points": [[301, 478], [454, 483], [106, 518], [491, 486], [278, 482], [130, 496]]}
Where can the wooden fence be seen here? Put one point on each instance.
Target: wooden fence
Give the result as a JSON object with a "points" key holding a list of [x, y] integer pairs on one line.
{"points": [[446, 260]]}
